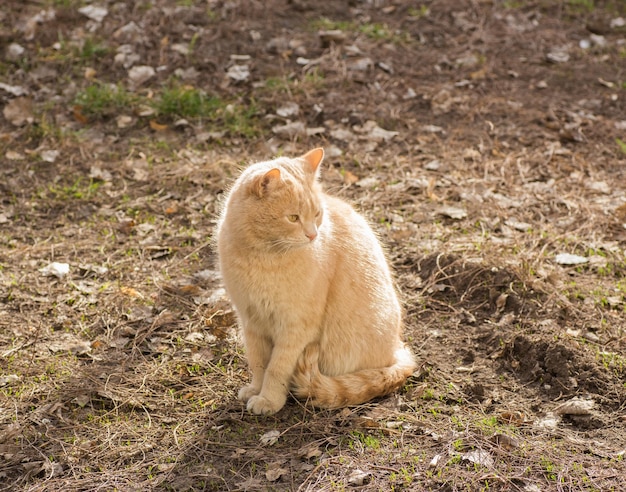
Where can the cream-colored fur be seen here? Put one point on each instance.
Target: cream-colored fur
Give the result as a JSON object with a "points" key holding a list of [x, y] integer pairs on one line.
{"points": [[312, 289]]}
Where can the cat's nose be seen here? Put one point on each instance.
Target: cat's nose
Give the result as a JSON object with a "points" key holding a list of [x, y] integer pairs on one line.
{"points": [[311, 235]]}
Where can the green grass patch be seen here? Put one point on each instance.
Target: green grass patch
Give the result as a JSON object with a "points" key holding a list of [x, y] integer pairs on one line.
{"points": [[419, 12], [234, 118], [102, 100], [313, 80], [374, 30], [81, 189], [187, 102], [581, 5], [92, 49]]}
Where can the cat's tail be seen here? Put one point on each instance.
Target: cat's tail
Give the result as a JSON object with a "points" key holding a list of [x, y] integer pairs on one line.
{"points": [[352, 388]]}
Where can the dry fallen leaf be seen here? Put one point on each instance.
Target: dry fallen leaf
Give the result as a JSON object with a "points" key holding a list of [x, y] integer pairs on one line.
{"points": [[14, 156], [77, 112], [275, 471], [620, 212], [67, 342], [157, 127], [55, 269], [270, 438], [172, 209], [456, 213], [8, 379], [288, 110], [310, 451], [130, 292], [575, 406], [89, 73], [506, 442], [349, 178], [19, 111], [435, 461], [290, 130], [140, 74], [569, 259], [358, 478], [479, 457]]}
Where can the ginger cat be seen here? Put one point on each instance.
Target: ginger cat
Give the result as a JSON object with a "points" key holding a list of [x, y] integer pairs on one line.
{"points": [[312, 290]]}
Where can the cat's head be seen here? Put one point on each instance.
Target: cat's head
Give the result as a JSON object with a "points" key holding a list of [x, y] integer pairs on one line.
{"points": [[279, 203]]}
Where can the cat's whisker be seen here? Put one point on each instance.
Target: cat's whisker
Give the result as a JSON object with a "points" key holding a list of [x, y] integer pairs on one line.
{"points": [[281, 246]]}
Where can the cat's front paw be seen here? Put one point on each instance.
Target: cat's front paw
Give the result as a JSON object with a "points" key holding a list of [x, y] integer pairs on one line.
{"points": [[248, 392], [262, 406]]}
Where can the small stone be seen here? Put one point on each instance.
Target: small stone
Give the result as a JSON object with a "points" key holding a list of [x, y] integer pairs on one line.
{"points": [[433, 129], [288, 110], [140, 74], [15, 51], [569, 259], [518, 225], [187, 73], [598, 40], [238, 73], [558, 55], [572, 333], [409, 94], [15, 90], [592, 337], [385, 67], [470, 154], [182, 48], [49, 155], [94, 12], [124, 121], [55, 269], [332, 36], [240, 58], [433, 165], [614, 301], [452, 212], [291, 129]]}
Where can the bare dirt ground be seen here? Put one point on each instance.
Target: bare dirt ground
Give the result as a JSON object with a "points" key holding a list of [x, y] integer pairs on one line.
{"points": [[484, 139]]}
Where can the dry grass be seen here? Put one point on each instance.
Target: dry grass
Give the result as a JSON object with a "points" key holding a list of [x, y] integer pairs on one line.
{"points": [[123, 374]]}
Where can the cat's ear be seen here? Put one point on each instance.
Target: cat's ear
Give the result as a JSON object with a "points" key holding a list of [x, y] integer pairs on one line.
{"points": [[262, 184], [314, 158]]}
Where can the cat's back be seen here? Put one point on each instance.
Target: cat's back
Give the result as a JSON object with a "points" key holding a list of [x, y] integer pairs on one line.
{"points": [[354, 239]]}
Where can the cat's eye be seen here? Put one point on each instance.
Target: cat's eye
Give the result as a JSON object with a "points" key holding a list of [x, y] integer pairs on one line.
{"points": [[318, 213], [292, 218]]}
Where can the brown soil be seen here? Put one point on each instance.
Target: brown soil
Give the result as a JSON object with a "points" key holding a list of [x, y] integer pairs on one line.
{"points": [[482, 139]]}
